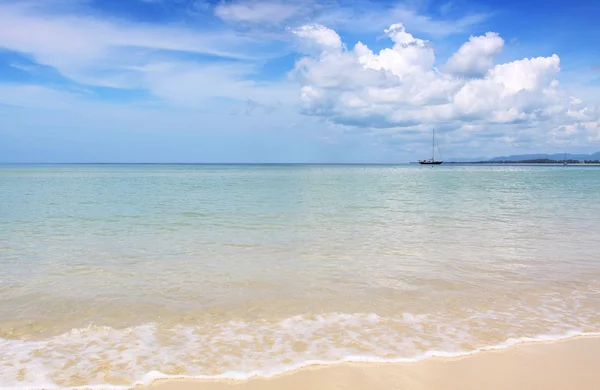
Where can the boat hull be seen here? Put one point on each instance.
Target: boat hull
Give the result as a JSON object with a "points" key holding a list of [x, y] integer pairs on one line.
{"points": [[430, 162]]}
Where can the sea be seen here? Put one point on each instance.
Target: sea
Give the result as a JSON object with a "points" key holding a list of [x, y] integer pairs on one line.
{"points": [[112, 276]]}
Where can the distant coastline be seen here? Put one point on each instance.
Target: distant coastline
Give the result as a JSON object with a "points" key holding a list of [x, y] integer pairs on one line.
{"points": [[544, 161], [533, 159]]}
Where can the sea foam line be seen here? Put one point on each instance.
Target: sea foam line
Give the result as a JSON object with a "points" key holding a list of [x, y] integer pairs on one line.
{"points": [[153, 376]]}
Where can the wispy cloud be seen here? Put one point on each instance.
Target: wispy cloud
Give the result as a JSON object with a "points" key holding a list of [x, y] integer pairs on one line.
{"points": [[189, 84], [252, 106], [179, 64], [357, 16], [50, 36], [370, 16], [271, 12]]}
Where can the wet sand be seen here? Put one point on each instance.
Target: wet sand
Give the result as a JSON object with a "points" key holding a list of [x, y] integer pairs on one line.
{"points": [[569, 364]]}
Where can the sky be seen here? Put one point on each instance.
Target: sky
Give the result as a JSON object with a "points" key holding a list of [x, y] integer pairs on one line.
{"points": [[306, 81]]}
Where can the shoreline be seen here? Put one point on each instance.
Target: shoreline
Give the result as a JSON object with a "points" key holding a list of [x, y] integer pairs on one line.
{"points": [[568, 344], [535, 365]]}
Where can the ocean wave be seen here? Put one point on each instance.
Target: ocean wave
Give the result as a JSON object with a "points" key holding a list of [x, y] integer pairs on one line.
{"points": [[100, 357]]}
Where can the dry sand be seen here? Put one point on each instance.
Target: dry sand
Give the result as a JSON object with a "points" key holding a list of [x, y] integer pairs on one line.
{"points": [[571, 364]]}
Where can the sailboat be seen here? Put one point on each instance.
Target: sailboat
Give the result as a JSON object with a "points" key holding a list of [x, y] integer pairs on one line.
{"points": [[432, 160], [565, 159]]}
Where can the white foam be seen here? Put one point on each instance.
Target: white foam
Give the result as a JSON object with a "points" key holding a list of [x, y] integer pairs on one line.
{"points": [[264, 349], [236, 375]]}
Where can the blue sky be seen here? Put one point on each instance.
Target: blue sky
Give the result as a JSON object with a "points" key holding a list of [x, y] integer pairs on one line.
{"points": [[282, 81]]}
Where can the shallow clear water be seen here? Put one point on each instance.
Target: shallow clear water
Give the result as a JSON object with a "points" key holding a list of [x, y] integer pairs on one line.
{"points": [[109, 272]]}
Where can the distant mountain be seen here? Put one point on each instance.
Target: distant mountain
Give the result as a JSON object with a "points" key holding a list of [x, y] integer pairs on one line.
{"points": [[557, 157], [528, 157]]}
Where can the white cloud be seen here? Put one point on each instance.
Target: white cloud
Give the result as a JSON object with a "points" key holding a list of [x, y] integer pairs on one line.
{"points": [[188, 84], [132, 55], [476, 57], [510, 92], [374, 17], [49, 36], [269, 12], [400, 88], [359, 16], [319, 37]]}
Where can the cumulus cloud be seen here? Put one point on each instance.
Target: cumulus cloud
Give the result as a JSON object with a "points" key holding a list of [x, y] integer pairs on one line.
{"points": [[476, 57], [319, 38], [400, 87]]}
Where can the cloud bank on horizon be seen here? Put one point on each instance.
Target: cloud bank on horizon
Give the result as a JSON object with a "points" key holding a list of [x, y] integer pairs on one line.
{"points": [[143, 80]]}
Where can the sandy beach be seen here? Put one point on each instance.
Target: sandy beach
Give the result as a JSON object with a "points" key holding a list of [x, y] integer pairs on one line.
{"points": [[570, 364]]}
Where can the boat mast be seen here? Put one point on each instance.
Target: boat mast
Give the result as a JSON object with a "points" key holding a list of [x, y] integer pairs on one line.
{"points": [[433, 146]]}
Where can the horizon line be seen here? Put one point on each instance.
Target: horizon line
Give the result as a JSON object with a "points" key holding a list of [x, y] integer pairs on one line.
{"points": [[207, 163]]}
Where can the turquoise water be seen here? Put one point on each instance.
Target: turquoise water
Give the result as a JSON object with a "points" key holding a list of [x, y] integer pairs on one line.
{"points": [[111, 272]]}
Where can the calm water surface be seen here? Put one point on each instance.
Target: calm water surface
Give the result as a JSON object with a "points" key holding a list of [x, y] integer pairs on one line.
{"points": [[109, 273]]}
